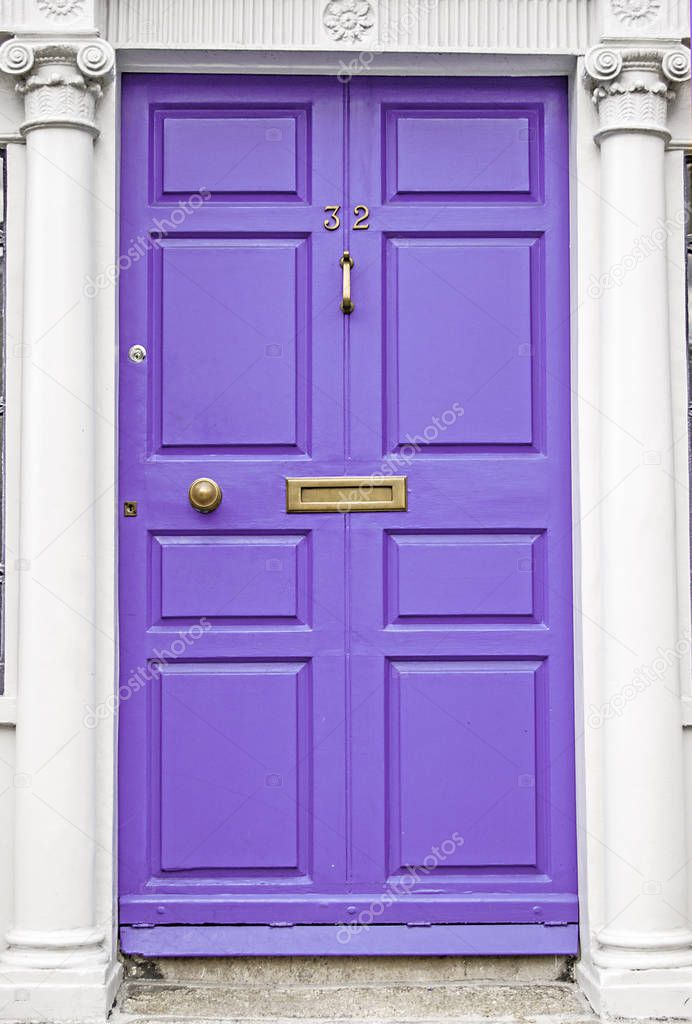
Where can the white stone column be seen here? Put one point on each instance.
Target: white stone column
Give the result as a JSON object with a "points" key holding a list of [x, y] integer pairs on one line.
{"points": [[56, 942], [644, 925]]}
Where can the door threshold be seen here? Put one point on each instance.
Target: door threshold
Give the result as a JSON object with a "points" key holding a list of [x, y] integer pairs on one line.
{"points": [[338, 940]]}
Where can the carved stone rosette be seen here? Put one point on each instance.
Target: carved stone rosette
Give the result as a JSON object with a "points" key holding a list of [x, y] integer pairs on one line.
{"points": [[631, 88], [61, 81]]}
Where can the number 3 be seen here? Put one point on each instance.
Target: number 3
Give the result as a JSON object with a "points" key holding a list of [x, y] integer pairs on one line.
{"points": [[334, 222]]}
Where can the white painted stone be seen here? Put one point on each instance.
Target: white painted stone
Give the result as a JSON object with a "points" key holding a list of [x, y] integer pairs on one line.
{"points": [[646, 891], [57, 959], [379, 26]]}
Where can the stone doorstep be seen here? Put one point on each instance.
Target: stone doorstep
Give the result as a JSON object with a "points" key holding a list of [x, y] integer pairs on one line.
{"points": [[118, 1018], [374, 1002], [323, 972], [327, 990]]}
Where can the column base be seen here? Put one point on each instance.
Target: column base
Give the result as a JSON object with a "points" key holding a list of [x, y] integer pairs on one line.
{"points": [[80, 994], [646, 951], [616, 992], [43, 950]]}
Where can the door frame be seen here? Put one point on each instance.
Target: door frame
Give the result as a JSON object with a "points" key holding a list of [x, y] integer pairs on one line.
{"points": [[584, 162]]}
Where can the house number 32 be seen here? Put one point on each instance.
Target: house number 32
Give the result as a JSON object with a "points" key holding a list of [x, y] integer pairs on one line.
{"points": [[361, 213]]}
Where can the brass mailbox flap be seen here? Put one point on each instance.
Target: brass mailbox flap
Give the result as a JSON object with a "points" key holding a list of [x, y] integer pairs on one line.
{"points": [[346, 494]]}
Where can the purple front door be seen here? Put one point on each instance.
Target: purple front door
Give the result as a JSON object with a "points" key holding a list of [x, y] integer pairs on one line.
{"points": [[338, 726]]}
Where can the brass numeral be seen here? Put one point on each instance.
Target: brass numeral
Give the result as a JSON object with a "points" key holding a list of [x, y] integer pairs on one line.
{"points": [[361, 222], [334, 220]]}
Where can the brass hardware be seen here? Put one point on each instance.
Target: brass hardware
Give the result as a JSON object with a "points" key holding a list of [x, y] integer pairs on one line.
{"points": [[205, 495], [346, 263], [361, 222], [334, 222], [129, 509], [137, 353], [346, 494]]}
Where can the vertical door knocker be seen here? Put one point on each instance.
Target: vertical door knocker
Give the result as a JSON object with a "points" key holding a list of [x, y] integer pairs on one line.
{"points": [[346, 263]]}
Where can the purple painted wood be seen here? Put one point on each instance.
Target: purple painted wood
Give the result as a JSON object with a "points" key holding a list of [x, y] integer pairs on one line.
{"points": [[465, 389], [232, 748], [324, 710], [323, 940], [482, 576], [271, 152]]}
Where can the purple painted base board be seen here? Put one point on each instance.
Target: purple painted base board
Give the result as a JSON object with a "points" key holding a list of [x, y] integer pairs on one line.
{"points": [[328, 940]]}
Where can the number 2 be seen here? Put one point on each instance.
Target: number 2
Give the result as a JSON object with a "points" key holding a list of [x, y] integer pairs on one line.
{"points": [[361, 222]]}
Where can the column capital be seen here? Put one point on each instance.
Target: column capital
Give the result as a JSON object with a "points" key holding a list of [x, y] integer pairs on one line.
{"points": [[632, 86], [60, 80]]}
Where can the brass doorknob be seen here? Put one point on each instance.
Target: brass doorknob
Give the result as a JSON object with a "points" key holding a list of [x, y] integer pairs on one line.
{"points": [[205, 494]]}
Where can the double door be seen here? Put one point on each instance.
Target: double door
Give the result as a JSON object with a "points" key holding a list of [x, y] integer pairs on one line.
{"points": [[346, 687]]}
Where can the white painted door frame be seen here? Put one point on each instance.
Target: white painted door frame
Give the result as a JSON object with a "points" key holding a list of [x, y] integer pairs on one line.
{"points": [[628, 104]]}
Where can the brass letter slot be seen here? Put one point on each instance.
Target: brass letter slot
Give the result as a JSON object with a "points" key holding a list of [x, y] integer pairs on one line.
{"points": [[345, 494]]}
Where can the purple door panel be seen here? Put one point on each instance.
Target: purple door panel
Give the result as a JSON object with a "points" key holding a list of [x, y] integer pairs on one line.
{"points": [[325, 712]]}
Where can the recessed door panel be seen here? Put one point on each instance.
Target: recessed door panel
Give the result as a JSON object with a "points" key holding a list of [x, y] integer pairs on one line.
{"points": [[459, 153], [457, 720], [234, 339], [459, 342], [234, 578], [459, 577], [268, 152], [235, 767]]}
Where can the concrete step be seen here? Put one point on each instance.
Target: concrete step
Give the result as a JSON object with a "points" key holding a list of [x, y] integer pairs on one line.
{"points": [[402, 1002], [330, 971], [118, 1018], [373, 990]]}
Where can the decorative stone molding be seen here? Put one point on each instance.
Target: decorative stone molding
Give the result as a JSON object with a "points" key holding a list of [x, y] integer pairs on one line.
{"points": [[348, 21], [379, 26], [636, 12], [631, 88], [61, 82], [61, 10]]}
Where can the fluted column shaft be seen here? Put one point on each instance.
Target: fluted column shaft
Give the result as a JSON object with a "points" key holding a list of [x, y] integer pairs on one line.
{"points": [[54, 921], [644, 814]]}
